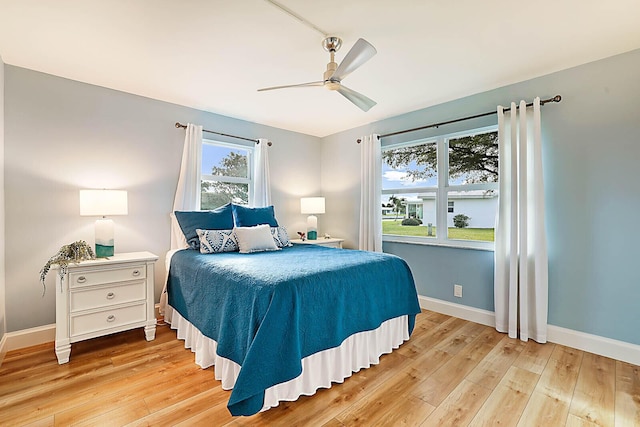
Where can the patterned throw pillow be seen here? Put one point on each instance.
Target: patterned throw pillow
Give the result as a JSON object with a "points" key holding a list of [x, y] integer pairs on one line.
{"points": [[280, 236], [217, 241]]}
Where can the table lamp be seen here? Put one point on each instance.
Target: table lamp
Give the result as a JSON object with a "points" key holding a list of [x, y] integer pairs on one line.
{"points": [[103, 203], [312, 206]]}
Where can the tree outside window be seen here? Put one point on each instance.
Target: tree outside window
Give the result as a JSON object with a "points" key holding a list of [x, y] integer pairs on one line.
{"points": [[458, 170], [226, 174]]}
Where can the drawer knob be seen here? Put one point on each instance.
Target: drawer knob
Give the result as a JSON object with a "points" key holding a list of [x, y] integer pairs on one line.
{"points": [[82, 279], [136, 272], [111, 318], [110, 295]]}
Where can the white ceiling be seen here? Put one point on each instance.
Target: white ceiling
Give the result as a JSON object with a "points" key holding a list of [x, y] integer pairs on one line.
{"points": [[213, 54]]}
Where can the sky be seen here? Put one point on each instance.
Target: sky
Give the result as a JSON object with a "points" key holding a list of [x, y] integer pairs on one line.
{"points": [[397, 178], [212, 154]]}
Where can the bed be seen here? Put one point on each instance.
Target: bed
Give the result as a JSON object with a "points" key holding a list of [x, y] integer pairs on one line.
{"points": [[282, 323]]}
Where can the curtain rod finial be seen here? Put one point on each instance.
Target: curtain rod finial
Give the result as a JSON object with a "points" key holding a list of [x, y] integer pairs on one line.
{"points": [[178, 125], [557, 98]]}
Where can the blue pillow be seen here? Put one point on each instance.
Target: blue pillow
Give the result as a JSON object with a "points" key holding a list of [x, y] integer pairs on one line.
{"points": [[217, 219], [250, 217]]}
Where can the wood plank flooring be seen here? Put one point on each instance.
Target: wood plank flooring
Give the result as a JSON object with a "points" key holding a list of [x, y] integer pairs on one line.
{"points": [[451, 373]]}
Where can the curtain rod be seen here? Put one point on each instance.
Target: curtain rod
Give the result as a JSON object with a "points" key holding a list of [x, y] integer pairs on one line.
{"points": [[556, 98], [257, 141]]}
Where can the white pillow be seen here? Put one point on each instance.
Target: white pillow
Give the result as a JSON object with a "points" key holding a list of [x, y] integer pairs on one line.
{"points": [[255, 239]]}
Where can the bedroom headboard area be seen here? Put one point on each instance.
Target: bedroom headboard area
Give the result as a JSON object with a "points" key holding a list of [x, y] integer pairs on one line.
{"points": [[64, 135]]}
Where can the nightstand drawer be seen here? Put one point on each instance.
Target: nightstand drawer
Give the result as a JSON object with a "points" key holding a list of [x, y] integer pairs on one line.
{"points": [[106, 319], [88, 298], [98, 277]]}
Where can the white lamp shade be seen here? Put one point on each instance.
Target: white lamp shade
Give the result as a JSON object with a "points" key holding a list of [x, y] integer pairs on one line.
{"points": [[312, 205], [103, 202]]}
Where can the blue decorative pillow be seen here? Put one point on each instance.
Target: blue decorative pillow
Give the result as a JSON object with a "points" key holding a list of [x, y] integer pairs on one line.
{"points": [[217, 241], [280, 236], [250, 217], [217, 219]]}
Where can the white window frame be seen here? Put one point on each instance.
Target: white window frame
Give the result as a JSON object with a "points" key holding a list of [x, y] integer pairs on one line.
{"points": [[231, 179], [442, 192]]}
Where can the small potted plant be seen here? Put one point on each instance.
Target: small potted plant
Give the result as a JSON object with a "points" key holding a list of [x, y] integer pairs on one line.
{"points": [[71, 253]]}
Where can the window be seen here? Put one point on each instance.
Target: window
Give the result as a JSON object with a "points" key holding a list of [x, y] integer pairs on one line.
{"points": [[448, 183], [226, 174]]}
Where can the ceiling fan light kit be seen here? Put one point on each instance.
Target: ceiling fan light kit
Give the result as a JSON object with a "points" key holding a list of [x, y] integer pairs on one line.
{"points": [[360, 53]]}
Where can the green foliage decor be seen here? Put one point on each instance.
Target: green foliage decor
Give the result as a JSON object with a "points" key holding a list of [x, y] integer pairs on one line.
{"points": [[71, 253]]}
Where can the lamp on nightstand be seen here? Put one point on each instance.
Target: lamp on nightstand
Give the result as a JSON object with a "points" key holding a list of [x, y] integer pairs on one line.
{"points": [[312, 206], [103, 203]]}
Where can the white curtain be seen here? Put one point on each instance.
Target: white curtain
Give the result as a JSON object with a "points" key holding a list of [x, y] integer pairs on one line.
{"points": [[261, 195], [187, 194], [188, 191], [521, 263], [370, 197]]}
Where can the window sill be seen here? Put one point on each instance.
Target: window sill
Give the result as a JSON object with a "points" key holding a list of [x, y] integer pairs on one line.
{"points": [[478, 246]]}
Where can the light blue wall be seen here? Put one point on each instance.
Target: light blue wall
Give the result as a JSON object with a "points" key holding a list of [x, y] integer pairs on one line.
{"points": [[57, 130], [63, 135], [3, 324], [434, 267], [591, 157]]}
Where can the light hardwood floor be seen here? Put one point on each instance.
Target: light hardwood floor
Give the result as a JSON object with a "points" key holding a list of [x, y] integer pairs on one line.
{"points": [[451, 373]]}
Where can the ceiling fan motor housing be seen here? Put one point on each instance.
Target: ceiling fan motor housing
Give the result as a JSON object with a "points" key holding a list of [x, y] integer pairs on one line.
{"points": [[332, 44], [331, 69]]}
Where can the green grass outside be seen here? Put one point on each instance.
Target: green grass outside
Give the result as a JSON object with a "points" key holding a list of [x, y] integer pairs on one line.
{"points": [[395, 228]]}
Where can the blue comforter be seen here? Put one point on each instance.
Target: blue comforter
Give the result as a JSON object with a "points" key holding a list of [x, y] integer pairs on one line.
{"points": [[269, 310]]}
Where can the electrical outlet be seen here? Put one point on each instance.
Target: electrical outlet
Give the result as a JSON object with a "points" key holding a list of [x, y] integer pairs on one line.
{"points": [[457, 291]]}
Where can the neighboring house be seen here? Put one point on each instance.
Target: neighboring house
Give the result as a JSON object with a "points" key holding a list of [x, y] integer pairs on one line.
{"points": [[387, 211], [480, 206]]}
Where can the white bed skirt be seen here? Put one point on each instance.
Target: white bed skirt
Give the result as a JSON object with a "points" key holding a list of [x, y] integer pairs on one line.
{"points": [[360, 350]]}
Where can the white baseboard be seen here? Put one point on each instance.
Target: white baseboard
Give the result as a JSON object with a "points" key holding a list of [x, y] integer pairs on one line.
{"points": [[28, 337], [465, 312], [3, 349], [602, 346], [595, 344]]}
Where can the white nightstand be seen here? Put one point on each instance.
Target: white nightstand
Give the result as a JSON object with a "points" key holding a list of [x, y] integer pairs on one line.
{"points": [[332, 243], [104, 296]]}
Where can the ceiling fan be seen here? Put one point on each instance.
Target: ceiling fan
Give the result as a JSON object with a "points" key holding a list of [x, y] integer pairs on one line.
{"points": [[360, 53]]}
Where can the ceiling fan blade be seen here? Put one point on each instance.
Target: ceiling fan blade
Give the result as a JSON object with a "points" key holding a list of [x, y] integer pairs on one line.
{"points": [[361, 52], [319, 83], [358, 99]]}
